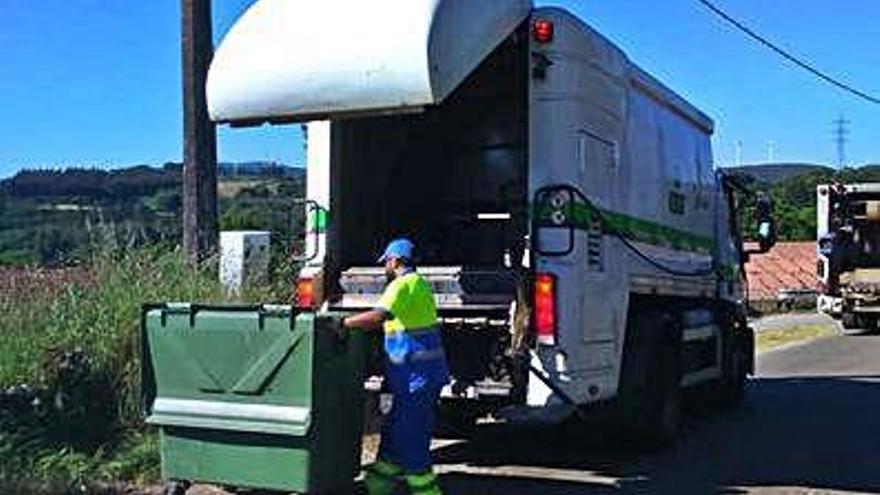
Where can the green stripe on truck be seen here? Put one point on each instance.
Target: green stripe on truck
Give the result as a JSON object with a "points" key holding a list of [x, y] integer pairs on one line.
{"points": [[580, 216]]}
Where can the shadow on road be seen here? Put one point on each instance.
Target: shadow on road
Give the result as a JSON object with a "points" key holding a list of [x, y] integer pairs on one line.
{"points": [[812, 432]]}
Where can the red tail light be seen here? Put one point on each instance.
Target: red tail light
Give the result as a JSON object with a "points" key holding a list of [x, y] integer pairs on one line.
{"points": [[305, 293], [543, 31], [545, 308]]}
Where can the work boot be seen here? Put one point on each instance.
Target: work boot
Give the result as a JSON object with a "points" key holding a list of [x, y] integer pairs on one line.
{"points": [[423, 484], [381, 477]]}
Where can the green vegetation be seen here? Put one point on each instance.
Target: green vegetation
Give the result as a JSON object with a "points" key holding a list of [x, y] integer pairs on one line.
{"points": [[69, 367], [48, 217], [794, 195], [80, 252]]}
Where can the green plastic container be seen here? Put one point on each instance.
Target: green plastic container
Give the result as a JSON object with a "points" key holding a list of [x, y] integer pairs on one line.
{"points": [[254, 396]]}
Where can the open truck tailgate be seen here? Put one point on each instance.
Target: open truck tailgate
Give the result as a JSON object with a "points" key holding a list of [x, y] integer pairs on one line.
{"points": [[253, 396], [292, 60]]}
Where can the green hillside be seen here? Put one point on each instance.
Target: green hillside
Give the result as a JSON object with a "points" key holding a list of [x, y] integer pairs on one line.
{"points": [[56, 217], [774, 173], [793, 189]]}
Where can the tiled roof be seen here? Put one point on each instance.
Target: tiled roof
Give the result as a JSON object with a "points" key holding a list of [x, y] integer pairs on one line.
{"points": [[789, 265]]}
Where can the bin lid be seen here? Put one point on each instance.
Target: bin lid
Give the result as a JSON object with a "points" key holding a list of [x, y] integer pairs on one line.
{"points": [[297, 60]]}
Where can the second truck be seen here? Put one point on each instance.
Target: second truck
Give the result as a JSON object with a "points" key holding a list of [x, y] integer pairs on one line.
{"points": [[848, 238]]}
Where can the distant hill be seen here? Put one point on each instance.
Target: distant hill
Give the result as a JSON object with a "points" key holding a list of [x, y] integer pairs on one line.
{"points": [[775, 173], [58, 216], [139, 180], [248, 169]]}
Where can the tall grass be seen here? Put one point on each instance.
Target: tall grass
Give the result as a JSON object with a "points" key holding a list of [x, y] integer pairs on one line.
{"points": [[69, 366]]}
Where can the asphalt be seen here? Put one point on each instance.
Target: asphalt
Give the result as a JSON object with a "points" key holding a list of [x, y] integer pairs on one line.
{"points": [[810, 424]]}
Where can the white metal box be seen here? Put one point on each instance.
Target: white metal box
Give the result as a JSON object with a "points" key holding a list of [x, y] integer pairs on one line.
{"points": [[244, 259]]}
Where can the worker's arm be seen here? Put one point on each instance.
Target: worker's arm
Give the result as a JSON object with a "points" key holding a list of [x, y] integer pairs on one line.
{"points": [[368, 320], [388, 305]]}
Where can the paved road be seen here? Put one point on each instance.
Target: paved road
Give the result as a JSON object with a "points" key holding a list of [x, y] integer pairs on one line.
{"points": [[810, 424]]}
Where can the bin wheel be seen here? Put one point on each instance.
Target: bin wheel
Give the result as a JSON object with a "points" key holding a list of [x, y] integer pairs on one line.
{"points": [[176, 488]]}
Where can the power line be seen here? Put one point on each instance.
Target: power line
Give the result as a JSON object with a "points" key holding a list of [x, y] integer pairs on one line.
{"points": [[791, 58]]}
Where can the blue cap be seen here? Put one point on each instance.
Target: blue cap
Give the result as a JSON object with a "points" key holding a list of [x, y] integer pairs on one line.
{"points": [[398, 248]]}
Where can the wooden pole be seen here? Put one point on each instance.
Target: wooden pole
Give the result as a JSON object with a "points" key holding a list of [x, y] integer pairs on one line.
{"points": [[199, 134]]}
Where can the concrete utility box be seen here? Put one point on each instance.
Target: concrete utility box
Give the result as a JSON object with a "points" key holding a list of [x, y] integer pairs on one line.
{"points": [[254, 396], [244, 259]]}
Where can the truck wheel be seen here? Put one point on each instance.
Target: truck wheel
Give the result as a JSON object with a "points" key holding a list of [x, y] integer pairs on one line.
{"points": [[850, 321], [659, 419], [734, 375], [733, 378], [649, 397], [666, 408]]}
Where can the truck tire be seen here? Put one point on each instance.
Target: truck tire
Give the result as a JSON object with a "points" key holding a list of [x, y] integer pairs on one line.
{"points": [[650, 389], [849, 320], [734, 373], [662, 415]]}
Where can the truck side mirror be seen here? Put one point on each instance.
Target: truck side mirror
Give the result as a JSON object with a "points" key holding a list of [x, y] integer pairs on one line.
{"points": [[766, 223]]}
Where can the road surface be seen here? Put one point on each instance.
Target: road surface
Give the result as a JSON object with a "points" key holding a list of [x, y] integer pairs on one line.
{"points": [[810, 424]]}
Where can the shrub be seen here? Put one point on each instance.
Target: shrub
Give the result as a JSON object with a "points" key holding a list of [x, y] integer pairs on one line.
{"points": [[69, 365]]}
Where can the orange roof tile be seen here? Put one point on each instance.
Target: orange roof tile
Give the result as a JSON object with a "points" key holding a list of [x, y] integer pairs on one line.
{"points": [[789, 265]]}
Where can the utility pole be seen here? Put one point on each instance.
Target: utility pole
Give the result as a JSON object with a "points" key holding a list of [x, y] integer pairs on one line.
{"points": [[199, 135], [841, 137]]}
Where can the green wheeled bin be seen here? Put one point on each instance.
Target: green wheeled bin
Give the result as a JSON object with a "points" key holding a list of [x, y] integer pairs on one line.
{"points": [[254, 397]]}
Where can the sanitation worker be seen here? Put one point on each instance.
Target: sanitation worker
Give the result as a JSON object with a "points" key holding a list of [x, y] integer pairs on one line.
{"points": [[415, 370]]}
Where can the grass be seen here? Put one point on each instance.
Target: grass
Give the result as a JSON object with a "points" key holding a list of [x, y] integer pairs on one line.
{"points": [[772, 339], [69, 368]]}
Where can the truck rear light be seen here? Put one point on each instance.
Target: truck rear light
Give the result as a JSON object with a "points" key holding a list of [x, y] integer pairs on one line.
{"points": [[545, 308], [305, 293], [542, 31]]}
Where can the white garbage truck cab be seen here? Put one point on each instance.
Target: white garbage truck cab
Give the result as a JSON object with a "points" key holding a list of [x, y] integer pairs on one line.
{"points": [[583, 249]]}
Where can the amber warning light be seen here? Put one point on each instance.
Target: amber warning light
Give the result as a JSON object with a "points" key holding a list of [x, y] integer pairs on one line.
{"points": [[542, 30], [305, 293]]}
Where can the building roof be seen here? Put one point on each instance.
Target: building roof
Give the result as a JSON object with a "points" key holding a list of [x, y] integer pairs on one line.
{"points": [[789, 265]]}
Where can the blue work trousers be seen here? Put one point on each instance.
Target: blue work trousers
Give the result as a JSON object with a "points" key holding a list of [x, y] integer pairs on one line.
{"points": [[415, 385]]}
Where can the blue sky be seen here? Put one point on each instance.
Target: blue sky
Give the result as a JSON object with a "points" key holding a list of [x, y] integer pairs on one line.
{"points": [[97, 82]]}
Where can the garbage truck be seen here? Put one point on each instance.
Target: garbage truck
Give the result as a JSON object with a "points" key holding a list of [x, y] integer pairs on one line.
{"points": [[585, 253], [848, 251], [583, 248]]}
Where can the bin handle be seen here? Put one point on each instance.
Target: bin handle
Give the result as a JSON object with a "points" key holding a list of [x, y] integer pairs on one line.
{"points": [[261, 310]]}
